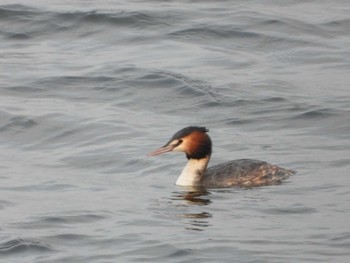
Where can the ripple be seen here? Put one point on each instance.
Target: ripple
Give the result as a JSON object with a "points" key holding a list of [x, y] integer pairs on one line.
{"points": [[8, 11], [25, 89], [4, 204], [60, 221], [341, 240], [17, 36], [19, 245], [133, 18], [337, 25], [82, 23], [151, 251], [316, 114], [290, 210], [214, 32], [69, 237], [45, 186], [18, 124]]}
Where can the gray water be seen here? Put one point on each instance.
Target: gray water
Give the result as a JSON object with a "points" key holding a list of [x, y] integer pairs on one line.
{"points": [[88, 88]]}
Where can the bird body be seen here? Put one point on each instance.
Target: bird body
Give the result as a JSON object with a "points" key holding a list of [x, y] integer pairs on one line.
{"points": [[196, 144]]}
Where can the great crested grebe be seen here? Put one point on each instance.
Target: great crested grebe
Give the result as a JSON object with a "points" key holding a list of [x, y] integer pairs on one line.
{"points": [[196, 144]]}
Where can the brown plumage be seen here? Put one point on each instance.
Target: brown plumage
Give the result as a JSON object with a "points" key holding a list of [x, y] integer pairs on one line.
{"points": [[244, 172]]}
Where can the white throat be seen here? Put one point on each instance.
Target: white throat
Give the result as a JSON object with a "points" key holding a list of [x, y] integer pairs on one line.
{"points": [[192, 173]]}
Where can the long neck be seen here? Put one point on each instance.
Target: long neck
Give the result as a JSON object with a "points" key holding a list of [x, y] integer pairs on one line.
{"points": [[193, 172]]}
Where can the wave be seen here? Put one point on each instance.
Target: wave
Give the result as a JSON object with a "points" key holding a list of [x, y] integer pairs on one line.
{"points": [[19, 245], [17, 124], [27, 22]]}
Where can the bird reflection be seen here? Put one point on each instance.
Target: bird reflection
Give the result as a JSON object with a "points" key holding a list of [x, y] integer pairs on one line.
{"points": [[194, 197]]}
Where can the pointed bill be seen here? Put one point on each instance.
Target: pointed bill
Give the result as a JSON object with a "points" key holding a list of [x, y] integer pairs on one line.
{"points": [[165, 149]]}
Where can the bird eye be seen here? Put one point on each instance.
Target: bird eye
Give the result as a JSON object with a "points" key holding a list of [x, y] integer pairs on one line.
{"points": [[177, 142]]}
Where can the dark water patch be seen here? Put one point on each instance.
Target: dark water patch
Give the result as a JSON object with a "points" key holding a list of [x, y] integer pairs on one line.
{"points": [[64, 81], [60, 221], [254, 100], [69, 237], [337, 26], [340, 162], [28, 90], [16, 36], [340, 240], [4, 204], [237, 39], [45, 186], [27, 23], [159, 79], [316, 114], [294, 27], [239, 102], [255, 38], [154, 251], [83, 218], [296, 209], [72, 240], [275, 99], [330, 121], [209, 251], [16, 11], [19, 245], [239, 121], [84, 258], [17, 124], [210, 104], [213, 33], [131, 19]]}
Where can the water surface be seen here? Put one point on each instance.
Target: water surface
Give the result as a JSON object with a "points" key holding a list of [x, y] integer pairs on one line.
{"points": [[88, 89]]}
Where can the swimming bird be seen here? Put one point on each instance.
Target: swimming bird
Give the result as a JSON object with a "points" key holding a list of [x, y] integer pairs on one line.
{"points": [[196, 144]]}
